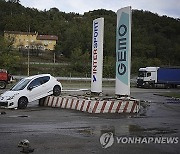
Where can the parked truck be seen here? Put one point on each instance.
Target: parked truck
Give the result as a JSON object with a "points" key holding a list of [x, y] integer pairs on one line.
{"points": [[5, 78], [151, 77]]}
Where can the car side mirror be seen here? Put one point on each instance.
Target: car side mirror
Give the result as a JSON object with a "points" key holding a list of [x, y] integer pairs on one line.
{"points": [[30, 88]]}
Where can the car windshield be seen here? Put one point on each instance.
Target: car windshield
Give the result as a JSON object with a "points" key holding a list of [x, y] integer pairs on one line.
{"points": [[20, 85], [142, 74]]}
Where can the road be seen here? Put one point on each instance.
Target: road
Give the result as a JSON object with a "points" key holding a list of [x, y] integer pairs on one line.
{"points": [[53, 130]]}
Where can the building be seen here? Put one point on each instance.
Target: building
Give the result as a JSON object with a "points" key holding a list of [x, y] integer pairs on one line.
{"points": [[32, 40]]}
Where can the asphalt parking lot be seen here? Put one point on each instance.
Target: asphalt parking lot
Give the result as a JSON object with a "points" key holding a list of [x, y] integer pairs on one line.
{"points": [[54, 130]]}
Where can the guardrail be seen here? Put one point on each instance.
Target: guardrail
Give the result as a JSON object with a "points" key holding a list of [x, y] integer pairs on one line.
{"points": [[133, 80], [69, 78]]}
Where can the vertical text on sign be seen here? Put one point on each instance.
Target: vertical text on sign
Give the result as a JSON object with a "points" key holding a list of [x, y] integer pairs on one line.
{"points": [[95, 42], [122, 53]]}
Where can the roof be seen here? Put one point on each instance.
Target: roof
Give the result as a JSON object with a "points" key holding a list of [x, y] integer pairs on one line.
{"points": [[39, 37], [21, 33], [36, 76], [47, 37]]}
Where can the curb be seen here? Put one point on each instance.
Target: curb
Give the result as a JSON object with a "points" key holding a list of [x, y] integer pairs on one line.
{"points": [[93, 106]]}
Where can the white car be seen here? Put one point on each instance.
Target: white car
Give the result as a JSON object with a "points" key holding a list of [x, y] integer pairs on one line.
{"points": [[30, 89]]}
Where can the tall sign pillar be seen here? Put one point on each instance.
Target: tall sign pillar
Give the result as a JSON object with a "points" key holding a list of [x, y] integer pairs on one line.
{"points": [[123, 51], [97, 55]]}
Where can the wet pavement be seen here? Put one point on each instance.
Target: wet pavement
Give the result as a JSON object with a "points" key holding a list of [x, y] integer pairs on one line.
{"points": [[54, 130]]}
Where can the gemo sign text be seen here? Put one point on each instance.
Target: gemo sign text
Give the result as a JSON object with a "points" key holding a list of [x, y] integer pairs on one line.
{"points": [[122, 54]]}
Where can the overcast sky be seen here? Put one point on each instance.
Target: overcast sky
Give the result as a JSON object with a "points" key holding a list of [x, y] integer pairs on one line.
{"points": [[170, 8]]}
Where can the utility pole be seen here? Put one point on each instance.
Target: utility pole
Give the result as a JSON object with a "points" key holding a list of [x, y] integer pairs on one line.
{"points": [[54, 57], [28, 51], [28, 62]]}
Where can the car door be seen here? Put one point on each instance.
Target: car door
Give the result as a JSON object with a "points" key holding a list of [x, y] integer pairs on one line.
{"points": [[45, 81], [46, 85], [35, 89]]}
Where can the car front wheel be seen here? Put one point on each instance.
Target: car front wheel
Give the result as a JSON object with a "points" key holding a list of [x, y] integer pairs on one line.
{"points": [[56, 90], [22, 103]]}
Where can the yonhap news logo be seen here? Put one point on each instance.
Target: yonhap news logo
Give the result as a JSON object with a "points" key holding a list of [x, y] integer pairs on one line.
{"points": [[108, 139]]}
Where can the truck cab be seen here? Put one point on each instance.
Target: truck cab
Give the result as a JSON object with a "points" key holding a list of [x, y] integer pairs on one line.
{"points": [[5, 78], [147, 77]]}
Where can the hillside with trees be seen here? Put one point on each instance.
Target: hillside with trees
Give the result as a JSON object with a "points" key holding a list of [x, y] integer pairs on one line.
{"points": [[155, 39]]}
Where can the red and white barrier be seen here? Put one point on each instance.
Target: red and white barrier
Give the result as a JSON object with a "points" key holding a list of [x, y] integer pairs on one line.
{"points": [[93, 106]]}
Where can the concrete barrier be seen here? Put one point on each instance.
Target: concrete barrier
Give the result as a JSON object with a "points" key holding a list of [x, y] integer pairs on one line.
{"points": [[92, 105]]}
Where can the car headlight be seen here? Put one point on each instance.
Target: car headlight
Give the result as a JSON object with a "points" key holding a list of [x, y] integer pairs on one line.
{"points": [[10, 97]]}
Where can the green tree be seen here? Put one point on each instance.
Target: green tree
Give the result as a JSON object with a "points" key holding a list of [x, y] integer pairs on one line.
{"points": [[109, 66], [155, 39], [80, 62], [14, 1], [9, 58]]}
